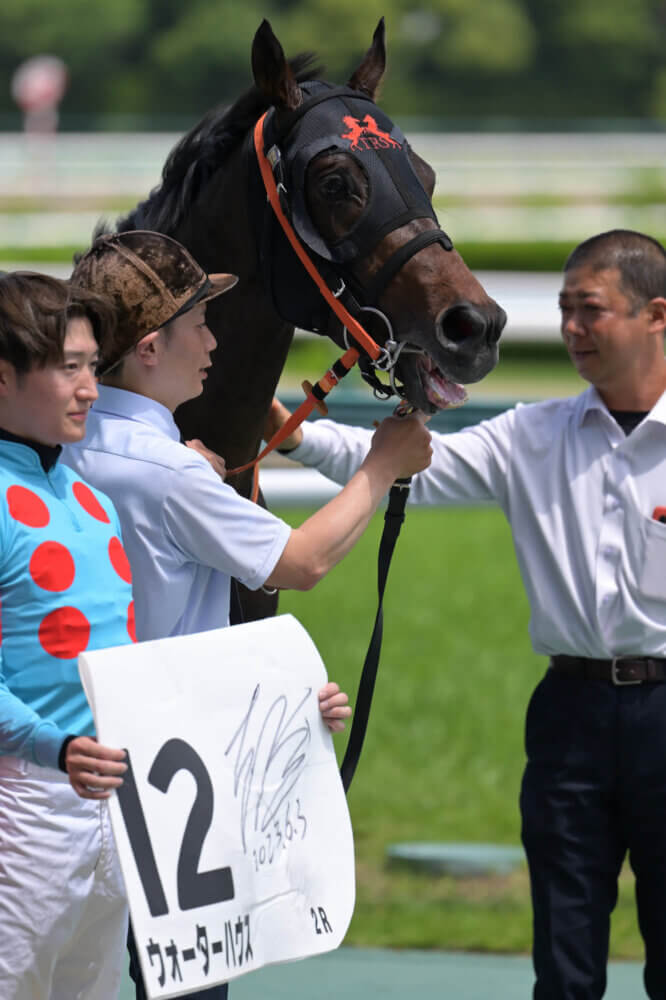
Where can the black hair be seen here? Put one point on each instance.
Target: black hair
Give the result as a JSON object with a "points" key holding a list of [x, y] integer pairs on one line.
{"points": [[34, 312], [640, 259]]}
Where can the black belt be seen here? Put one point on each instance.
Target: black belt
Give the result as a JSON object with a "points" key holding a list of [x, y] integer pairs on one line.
{"points": [[620, 670]]}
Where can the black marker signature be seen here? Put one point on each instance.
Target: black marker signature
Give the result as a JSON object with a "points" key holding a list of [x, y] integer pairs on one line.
{"points": [[279, 757]]}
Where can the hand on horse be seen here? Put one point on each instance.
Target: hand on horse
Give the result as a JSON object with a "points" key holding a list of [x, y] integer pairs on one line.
{"points": [[94, 770], [277, 417], [334, 707], [216, 461], [404, 444]]}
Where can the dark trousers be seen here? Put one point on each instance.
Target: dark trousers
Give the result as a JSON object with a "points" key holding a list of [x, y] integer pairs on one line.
{"points": [[214, 993], [594, 788]]}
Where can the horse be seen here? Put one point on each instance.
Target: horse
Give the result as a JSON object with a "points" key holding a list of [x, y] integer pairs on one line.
{"points": [[359, 199]]}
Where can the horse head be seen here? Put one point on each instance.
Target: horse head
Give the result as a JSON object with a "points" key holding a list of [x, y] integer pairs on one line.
{"points": [[359, 199]]}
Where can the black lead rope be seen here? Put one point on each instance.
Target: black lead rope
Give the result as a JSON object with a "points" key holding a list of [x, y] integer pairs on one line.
{"points": [[393, 518], [235, 607]]}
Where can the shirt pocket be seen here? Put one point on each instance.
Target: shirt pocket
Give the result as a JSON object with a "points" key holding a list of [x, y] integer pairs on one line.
{"points": [[652, 573]]}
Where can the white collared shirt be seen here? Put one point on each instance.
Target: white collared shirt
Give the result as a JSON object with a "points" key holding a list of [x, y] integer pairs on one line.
{"points": [[579, 497], [184, 530]]}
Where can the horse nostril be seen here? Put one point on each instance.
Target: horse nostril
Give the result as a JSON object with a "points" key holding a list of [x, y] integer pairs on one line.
{"points": [[461, 322], [497, 325]]}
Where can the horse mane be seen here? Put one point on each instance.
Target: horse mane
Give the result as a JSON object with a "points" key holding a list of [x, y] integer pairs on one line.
{"points": [[199, 153]]}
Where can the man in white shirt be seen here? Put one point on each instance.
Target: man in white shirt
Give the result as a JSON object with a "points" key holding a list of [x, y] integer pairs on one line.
{"points": [[186, 532], [581, 482]]}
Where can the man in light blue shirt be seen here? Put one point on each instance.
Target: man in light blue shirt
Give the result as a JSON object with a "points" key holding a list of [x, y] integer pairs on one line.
{"points": [[187, 532]]}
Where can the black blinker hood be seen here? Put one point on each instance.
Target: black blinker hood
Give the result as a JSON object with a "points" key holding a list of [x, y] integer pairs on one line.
{"points": [[346, 121], [350, 123]]}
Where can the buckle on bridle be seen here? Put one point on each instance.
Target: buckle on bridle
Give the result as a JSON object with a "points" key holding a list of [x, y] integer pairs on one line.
{"points": [[390, 352], [617, 681]]}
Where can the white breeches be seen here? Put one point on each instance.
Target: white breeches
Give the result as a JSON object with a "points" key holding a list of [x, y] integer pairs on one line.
{"points": [[63, 910]]}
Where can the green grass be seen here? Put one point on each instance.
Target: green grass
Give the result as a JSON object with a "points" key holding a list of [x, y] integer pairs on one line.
{"points": [[443, 757]]}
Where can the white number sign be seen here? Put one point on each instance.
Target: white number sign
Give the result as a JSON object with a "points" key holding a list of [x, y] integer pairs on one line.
{"points": [[231, 825]]}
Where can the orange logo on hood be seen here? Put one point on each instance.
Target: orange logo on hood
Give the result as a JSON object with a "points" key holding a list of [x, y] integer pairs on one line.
{"points": [[366, 134]]}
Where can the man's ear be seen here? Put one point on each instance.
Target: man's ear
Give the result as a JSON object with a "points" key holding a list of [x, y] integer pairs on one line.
{"points": [[148, 348], [657, 312]]}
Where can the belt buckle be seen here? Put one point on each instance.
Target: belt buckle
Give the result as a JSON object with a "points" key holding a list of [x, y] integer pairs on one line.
{"points": [[617, 681]]}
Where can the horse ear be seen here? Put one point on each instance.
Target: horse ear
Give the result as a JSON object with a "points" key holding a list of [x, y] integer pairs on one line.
{"points": [[272, 73], [368, 76]]}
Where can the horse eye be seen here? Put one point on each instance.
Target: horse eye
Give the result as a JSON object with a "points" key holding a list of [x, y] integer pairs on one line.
{"points": [[334, 187]]}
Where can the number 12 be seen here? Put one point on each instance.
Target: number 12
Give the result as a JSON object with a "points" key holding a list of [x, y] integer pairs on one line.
{"points": [[195, 888]]}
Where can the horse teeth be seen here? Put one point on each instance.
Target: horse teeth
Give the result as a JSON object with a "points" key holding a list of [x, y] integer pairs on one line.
{"points": [[444, 393]]}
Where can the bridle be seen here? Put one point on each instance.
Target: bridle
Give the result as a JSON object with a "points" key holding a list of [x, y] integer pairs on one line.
{"points": [[331, 119], [391, 350], [285, 233]]}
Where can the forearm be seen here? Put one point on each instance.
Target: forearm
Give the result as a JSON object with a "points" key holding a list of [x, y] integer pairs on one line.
{"points": [[469, 466], [329, 534], [335, 450], [464, 470]]}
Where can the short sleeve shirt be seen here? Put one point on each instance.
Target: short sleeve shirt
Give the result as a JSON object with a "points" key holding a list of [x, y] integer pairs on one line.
{"points": [[185, 531]]}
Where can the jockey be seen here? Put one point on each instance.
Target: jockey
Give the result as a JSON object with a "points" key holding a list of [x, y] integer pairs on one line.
{"points": [[64, 589]]}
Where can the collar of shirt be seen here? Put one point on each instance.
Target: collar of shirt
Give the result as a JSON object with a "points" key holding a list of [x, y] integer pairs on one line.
{"points": [[133, 406], [22, 455], [48, 454], [591, 402]]}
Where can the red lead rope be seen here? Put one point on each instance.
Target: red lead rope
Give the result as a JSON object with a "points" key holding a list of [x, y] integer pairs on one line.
{"points": [[315, 394]]}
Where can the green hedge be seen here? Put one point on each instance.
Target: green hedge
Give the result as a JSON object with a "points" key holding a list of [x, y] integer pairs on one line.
{"points": [[519, 255], [510, 255], [40, 255], [495, 256], [515, 255]]}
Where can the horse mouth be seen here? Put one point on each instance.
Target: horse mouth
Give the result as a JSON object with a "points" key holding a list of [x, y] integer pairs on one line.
{"points": [[442, 392], [427, 387]]}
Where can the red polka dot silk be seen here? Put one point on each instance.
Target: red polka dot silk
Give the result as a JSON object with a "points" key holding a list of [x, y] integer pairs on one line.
{"points": [[64, 633], [52, 567], [64, 587], [89, 502], [119, 560], [27, 508], [64, 629]]}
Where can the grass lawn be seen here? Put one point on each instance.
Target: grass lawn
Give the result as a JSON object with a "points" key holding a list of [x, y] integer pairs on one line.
{"points": [[443, 756]]}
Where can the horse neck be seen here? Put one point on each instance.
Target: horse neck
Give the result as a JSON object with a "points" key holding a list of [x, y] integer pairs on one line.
{"points": [[253, 341]]}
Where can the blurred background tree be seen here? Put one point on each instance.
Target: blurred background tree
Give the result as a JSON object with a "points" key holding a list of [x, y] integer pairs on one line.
{"points": [[511, 60]]}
